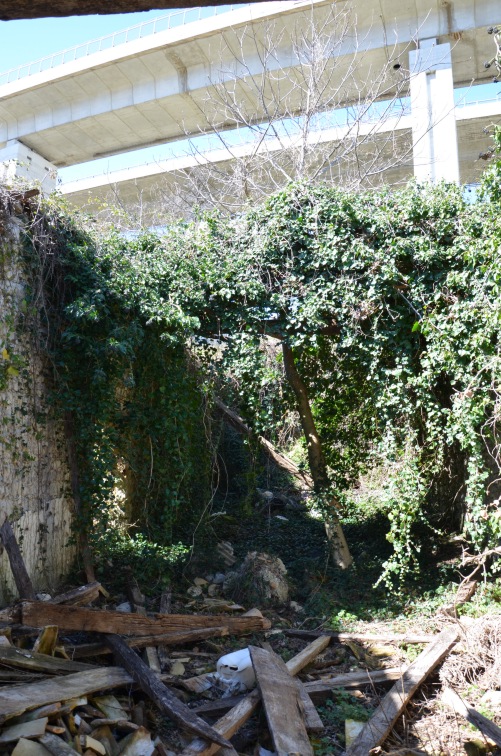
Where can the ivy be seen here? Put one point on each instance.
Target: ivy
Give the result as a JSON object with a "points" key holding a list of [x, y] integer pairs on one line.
{"points": [[390, 301]]}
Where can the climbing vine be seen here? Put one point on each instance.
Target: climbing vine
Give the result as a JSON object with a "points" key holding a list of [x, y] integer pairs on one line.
{"points": [[387, 302]]}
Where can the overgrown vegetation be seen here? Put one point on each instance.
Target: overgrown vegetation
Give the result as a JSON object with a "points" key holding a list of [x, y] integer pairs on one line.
{"points": [[386, 304]]}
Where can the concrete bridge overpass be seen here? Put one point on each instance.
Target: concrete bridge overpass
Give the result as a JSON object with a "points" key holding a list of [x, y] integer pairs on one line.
{"points": [[155, 89]]}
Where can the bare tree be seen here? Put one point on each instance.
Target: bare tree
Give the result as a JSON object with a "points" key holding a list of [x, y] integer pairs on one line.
{"points": [[285, 103], [311, 104]]}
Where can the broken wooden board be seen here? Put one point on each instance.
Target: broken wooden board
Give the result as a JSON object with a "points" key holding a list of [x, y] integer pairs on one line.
{"points": [[165, 639], [16, 699], [22, 659], [361, 637], [164, 699], [233, 720], [57, 746], [19, 572], [486, 727], [313, 723], [47, 641], [33, 729], [282, 703], [378, 727], [138, 605], [317, 691], [80, 596], [26, 747], [40, 613]]}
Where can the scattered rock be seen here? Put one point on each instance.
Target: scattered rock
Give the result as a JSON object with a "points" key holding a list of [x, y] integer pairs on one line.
{"points": [[296, 607], [219, 578], [201, 582], [214, 590], [194, 591], [351, 729], [261, 580]]}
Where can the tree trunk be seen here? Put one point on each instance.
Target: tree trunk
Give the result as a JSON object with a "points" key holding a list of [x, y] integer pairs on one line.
{"points": [[316, 460]]}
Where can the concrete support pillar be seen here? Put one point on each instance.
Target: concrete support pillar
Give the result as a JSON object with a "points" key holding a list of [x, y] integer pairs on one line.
{"points": [[434, 137], [19, 161]]}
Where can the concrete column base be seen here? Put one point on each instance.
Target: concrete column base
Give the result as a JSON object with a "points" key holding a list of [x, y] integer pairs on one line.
{"points": [[19, 161]]}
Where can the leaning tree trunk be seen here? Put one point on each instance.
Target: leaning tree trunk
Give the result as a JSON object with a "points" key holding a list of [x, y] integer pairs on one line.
{"points": [[316, 460]]}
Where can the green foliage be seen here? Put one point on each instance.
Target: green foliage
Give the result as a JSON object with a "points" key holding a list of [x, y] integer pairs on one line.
{"points": [[151, 562], [389, 301], [133, 405]]}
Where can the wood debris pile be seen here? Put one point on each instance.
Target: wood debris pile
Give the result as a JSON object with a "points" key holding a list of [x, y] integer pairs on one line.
{"points": [[54, 702]]}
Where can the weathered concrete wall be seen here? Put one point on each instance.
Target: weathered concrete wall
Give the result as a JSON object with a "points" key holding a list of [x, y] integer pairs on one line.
{"points": [[34, 476]]}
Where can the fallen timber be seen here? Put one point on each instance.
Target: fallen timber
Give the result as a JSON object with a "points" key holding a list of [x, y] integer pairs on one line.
{"points": [[41, 613]]}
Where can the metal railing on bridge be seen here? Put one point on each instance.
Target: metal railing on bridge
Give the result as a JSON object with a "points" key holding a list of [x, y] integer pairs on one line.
{"points": [[122, 37]]}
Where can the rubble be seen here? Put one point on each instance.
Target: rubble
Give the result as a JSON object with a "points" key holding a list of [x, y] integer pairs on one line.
{"points": [[261, 580], [53, 703]]}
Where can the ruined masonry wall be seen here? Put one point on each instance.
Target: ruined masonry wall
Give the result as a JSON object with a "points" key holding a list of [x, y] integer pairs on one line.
{"points": [[34, 475]]}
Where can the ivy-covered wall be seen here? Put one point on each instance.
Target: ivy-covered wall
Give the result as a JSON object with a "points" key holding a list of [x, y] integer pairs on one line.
{"points": [[34, 477]]}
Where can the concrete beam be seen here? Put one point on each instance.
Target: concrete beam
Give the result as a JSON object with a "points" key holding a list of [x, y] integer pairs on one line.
{"points": [[19, 161]]}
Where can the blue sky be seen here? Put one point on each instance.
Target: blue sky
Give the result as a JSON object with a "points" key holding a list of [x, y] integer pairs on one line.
{"points": [[26, 41]]}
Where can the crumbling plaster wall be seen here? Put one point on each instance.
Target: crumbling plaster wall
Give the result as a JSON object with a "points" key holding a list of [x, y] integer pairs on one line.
{"points": [[34, 475]]}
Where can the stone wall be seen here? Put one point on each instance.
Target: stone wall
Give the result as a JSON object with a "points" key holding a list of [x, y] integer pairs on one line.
{"points": [[34, 476]]}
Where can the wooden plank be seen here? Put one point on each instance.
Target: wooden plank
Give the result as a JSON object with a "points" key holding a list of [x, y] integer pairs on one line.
{"points": [[231, 722], [138, 605], [22, 659], [165, 605], [26, 747], [21, 577], [378, 727], [41, 613], [317, 691], [47, 641], [33, 729], [486, 727], [310, 652], [80, 596], [57, 746], [16, 699], [164, 699], [400, 638], [282, 703], [166, 639], [313, 723]]}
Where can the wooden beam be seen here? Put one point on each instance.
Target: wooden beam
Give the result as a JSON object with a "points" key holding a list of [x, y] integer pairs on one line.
{"points": [[376, 730], [166, 639], [486, 727], [16, 699], [277, 457], [41, 613], [282, 703], [138, 605], [361, 637], [21, 577], [163, 698], [31, 660], [80, 596]]}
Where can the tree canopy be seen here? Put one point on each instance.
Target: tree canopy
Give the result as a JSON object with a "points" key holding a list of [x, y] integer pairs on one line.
{"points": [[386, 303]]}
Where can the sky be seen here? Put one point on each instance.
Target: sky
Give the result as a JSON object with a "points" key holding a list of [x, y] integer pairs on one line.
{"points": [[26, 41]]}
